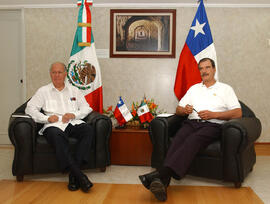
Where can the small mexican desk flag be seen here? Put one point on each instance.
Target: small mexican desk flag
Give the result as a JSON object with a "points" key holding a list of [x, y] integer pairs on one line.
{"points": [[144, 113], [83, 67]]}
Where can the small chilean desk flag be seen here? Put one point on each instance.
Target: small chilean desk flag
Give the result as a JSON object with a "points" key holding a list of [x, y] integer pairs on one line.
{"points": [[83, 68], [199, 44], [121, 112], [144, 113]]}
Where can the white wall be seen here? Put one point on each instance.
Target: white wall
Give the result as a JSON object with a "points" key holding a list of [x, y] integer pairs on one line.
{"points": [[240, 35]]}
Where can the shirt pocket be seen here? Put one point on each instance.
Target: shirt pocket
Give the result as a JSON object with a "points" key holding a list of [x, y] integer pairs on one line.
{"points": [[72, 105], [51, 106]]}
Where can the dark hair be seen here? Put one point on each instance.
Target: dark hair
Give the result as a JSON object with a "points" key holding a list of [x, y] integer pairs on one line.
{"points": [[205, 59]]}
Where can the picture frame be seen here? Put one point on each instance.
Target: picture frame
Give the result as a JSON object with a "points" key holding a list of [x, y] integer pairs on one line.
{"points": [[142, 33]]}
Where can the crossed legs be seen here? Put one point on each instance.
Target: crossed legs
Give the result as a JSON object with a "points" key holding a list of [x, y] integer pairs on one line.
{"points": [[59, 140], [188, 141]]}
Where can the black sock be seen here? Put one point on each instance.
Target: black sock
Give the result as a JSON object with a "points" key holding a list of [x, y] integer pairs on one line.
{"points": [[74, 170], [165, 174]]}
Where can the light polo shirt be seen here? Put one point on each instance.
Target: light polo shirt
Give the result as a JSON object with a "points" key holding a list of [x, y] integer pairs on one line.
{"points": [[219, 97], [55, 102]]}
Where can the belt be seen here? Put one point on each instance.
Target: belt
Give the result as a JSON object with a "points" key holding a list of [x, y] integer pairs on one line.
{"points": [[199, 120]]}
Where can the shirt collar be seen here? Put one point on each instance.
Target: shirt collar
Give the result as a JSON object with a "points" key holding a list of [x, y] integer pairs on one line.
{"points": [[55, 89], [210, 87]]}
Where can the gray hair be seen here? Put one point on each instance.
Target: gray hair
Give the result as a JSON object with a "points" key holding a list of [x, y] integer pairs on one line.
{"points": [[65, 68]]}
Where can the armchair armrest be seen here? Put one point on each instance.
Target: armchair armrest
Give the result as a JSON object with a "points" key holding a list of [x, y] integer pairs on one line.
{"points": [[161, 129], [241, 131], [238, 136], [174, 123], [92, 117], [103, 128], [22, 130]]}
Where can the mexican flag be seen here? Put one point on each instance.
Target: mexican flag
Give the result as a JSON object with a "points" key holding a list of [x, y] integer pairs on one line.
{"points": [[144, 113], [83, 68]]}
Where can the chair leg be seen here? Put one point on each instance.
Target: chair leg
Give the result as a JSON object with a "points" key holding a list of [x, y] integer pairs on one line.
{"points": [[19, 178], [103, 169], [237, 184]]}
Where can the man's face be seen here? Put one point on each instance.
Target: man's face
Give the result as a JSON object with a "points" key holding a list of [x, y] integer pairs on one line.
{"points": [[207, 71], [58, 75]]}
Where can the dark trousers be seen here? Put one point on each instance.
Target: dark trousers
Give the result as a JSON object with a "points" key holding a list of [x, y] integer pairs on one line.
{"points": [[84, 134], [188, 141]]}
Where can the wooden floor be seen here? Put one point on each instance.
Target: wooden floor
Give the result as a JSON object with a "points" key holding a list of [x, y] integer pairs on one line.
{"points": [[56, 192]]}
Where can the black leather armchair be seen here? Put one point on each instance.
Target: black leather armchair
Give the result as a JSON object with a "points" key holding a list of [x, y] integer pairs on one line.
{"points": [[33, 154], [230, 158]]}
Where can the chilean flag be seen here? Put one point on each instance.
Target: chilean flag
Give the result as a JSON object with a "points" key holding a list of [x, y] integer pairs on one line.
{"points": [[199, 44], [121, 112], [83, 68]]}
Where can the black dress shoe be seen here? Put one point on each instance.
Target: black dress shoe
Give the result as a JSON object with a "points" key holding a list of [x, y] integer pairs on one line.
{"points": [[158, 189], [85, 183], [146, 179], [73, 184]]}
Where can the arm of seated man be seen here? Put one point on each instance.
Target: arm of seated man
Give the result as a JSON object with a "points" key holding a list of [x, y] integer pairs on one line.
{"points": [[226, 115], [182, 111]]}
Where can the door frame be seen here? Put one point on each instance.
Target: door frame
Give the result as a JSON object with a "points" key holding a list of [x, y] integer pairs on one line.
{"points": [[22, 59]]}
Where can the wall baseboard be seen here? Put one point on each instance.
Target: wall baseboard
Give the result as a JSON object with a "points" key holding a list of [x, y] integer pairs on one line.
{"points": [[6, 146], [262, 148]]}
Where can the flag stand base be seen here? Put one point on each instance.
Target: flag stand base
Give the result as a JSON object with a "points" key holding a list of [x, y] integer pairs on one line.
{"points": [[121, 126]]}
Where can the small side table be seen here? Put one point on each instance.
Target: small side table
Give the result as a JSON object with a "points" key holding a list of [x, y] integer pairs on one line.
{"points": [[130, 146]]}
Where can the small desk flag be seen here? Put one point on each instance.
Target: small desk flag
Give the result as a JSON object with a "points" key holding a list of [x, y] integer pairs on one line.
{"points": [[121, 112], [144, 113]]}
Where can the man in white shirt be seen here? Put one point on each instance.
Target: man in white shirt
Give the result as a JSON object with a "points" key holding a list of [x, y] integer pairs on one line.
{"points": [[207, 104], [63, 108]]}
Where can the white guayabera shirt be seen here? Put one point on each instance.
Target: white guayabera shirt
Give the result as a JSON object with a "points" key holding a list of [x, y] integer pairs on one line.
{"points": [[55, 102]]}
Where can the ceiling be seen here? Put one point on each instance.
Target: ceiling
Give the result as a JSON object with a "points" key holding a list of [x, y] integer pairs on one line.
{"points": [[125, 2]]}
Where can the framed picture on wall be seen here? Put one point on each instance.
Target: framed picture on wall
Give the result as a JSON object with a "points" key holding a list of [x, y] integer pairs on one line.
{"points": [[143, 33]]}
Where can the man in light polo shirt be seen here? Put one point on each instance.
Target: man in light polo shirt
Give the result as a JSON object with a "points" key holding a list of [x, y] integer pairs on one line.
{"points": [[207, 104]]}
